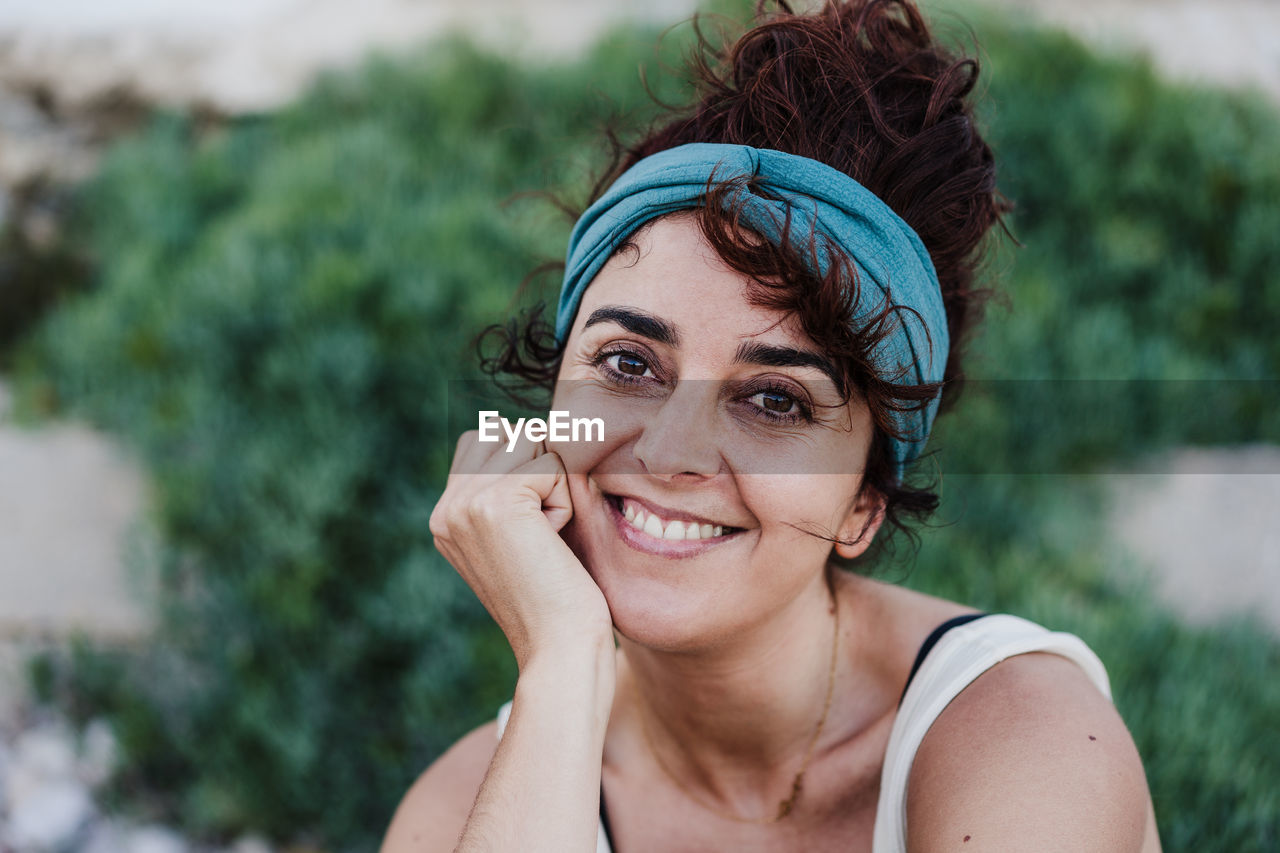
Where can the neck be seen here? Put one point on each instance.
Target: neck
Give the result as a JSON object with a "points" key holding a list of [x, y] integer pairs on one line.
{"points": [[737, 719]]}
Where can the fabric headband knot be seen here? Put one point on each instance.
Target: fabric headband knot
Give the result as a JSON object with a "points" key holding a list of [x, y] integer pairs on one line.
{"points": [[885, 250]]}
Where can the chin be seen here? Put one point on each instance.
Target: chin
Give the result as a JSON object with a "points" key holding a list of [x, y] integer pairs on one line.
{"points": [[663, 594], [660, 620]]}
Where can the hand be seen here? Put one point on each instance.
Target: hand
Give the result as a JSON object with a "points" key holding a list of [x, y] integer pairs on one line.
{"points": [[498, 524]]}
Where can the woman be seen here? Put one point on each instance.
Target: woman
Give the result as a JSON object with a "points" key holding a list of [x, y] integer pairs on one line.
{"points": [[763, 309]]}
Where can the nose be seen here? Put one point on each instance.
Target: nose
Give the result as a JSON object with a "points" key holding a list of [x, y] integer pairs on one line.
{"points": [[680, 438]]}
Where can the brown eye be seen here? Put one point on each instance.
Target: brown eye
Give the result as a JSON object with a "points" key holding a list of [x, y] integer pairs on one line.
{"points": [[774, 401], [630, 365]]}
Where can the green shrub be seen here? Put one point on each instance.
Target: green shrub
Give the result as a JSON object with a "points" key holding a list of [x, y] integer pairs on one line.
{"points": [[281, 303]]}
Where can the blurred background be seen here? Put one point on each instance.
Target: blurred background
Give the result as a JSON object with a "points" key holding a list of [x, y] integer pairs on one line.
{"points": [[244, 248]]}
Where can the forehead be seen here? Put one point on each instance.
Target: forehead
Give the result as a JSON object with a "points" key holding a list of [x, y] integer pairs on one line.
{"points": [[673, 273]]}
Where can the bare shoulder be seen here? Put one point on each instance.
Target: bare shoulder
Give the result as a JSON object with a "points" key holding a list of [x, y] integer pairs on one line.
{"points": [[1031, 756], [434, 812]]}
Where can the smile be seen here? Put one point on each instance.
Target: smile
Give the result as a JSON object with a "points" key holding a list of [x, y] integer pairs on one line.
{"points": [[659, 528], [670, 535]]}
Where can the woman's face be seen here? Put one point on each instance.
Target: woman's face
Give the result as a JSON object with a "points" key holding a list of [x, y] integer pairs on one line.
{"points": [[724, 439]]}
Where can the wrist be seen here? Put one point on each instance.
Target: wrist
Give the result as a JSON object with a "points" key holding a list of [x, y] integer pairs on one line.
{"points": [[570, 640], [580, 669]]}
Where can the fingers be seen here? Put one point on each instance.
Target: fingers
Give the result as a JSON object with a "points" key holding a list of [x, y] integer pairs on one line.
{"points": [[535, 479], [473, 456], [537, 484], [545, 479]]}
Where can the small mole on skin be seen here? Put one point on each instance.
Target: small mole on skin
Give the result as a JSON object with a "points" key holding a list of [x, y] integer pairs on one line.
{"points": [[966, 839], [1091, 737]]}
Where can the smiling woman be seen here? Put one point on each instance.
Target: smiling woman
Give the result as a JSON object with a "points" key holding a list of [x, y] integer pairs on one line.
{"points": [[765, 308]]}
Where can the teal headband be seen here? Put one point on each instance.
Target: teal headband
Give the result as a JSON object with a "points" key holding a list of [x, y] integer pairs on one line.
{"points": [[883, 248]]}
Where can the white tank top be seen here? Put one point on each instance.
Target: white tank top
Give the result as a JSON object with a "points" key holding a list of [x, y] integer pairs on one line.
{"points": [[959, 656]]}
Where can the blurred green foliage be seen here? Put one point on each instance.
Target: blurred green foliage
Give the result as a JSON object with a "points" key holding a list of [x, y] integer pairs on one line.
{"points": [[281, 305], [281, 302], [36, 272]]}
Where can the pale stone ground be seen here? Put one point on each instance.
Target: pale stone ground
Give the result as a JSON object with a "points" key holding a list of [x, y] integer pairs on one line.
{"points": [[1206, 530], [1230, 42], [256, 54], [69, 499]]}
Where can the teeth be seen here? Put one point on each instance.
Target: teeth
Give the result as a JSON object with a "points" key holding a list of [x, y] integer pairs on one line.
{"points": [[653, 527], [673, 530]]}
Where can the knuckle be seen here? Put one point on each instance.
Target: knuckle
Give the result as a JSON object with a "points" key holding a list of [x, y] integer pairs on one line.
{"points": [[437, 523], [462, 449], [485, 508]]}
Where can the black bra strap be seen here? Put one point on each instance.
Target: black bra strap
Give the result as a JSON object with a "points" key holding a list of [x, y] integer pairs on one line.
{"points": [[932, 640], [604, 821]]}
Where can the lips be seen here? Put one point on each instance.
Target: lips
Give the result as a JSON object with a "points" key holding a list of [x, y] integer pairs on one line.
{"points": [[667, 525]]}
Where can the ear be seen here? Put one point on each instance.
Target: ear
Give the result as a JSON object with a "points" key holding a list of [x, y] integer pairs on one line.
{"points": [[868, 511]]}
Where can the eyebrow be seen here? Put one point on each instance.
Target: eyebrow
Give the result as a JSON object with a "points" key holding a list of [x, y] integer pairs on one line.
{"points": [[749, 352], [768, 355], [636, 322]]}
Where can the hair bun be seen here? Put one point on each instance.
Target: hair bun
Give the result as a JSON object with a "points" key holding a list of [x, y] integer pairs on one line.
{"points": [[863, 86]]}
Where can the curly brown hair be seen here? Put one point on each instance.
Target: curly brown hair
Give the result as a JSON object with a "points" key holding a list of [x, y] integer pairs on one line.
{"points": [[863, 86]]}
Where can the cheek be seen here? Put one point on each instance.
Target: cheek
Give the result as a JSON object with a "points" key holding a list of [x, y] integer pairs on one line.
{"points": [[621, 420], [789, 508]]}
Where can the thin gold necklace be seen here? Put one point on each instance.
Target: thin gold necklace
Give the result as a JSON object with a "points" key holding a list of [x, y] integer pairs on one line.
{"points": [[785, 807]]}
